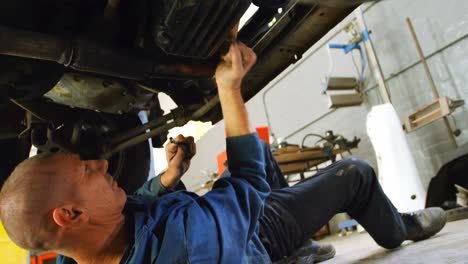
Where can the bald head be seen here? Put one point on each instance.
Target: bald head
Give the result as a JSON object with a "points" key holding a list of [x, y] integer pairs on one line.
{"points": [[53, 202], [27, 199]]}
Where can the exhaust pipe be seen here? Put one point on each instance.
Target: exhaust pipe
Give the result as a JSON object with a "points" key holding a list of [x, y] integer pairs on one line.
{"points": [[91, 57]]}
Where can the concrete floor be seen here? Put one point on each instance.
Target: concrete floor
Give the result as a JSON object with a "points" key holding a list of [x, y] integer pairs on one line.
{"points": [[448, 246]]}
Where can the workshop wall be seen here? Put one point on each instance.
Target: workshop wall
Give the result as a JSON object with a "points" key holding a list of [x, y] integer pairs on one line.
{"points": [[442, 29], [297, 107]]}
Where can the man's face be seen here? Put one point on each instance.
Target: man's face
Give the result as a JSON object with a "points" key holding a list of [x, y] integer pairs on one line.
{"points": [[92, 187]]}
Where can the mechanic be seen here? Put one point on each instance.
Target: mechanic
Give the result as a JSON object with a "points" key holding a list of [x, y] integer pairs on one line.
{"points": [[57, 202]]}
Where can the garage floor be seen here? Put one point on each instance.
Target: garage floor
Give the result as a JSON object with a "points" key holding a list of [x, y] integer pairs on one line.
{"points": [[449, 246]]}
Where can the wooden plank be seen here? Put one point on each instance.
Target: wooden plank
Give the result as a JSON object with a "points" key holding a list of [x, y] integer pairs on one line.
{"points": [[427, 118], [294, 149], [289, 168], [428, 114], [305, 156], [300, 156]]}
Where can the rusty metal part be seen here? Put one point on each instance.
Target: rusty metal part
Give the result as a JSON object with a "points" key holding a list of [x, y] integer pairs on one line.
{"points": [[87, 56], [103, 95], [88, 92]]}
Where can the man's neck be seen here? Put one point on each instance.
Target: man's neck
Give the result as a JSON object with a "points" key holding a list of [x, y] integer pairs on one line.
{"points": [[101, 246]]}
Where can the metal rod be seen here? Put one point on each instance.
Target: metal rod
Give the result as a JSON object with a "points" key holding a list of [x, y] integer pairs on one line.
{"points": [[431, 79], [138, 139], [27, 110], [140, 129], [206, 108], [140, 134]]}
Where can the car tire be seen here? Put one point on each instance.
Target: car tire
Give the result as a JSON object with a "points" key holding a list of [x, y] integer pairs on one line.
{"points": [[131, 167]]}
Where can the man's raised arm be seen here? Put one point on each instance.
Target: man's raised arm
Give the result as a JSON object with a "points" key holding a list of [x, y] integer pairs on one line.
{"points": [[235, 203], [229, 75]]}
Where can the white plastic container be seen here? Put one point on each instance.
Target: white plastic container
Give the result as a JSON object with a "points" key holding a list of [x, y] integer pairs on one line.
{"points": [[398, 174]]}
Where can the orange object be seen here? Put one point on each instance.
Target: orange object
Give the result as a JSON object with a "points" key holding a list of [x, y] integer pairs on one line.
{"points": [[263, 134], [222, 162], [43, 258]]}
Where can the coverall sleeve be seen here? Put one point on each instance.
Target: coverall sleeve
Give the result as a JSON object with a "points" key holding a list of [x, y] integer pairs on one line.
{"points": [[152, 187], [236, 202]]}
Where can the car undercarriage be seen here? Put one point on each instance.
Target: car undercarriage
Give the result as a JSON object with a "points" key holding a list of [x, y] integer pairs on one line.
{"points": [[75, 73]]}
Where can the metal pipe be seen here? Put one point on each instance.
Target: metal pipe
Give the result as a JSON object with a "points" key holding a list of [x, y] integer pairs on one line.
{"points": [[25, 44], [139, 134], [28, 110], [431, 79], [140, 129], [138, 139], [206, 108], [87, 56]]}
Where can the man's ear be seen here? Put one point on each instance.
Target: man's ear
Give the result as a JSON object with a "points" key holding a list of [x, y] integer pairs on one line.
{"points": [[69, 216]]}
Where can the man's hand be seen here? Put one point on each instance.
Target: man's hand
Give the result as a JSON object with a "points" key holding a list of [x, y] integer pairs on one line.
{"points": [[234, 66], [178, 155], [229, 75]]}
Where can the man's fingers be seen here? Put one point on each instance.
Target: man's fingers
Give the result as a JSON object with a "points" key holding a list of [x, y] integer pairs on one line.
{"points": [[248, 56], [192, 146], [240, 57], [189, 147], [236, 57], [172, 146], [179, 138], [182, 144], [179, 156], [234, 66], [227, 58]]}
